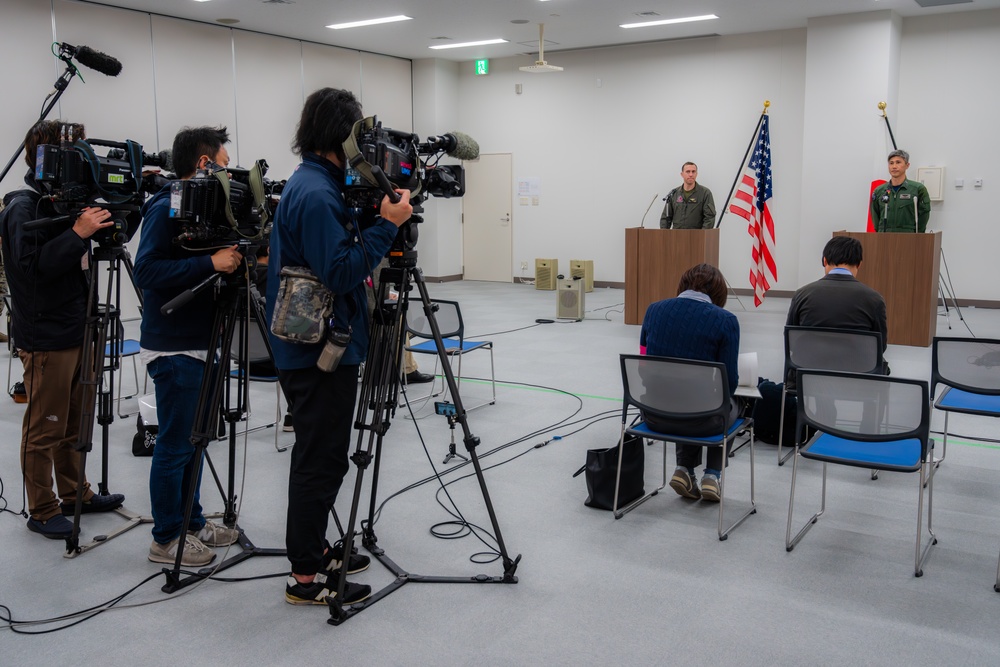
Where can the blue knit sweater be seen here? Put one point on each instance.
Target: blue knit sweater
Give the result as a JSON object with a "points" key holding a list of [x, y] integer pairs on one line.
{"points": [[691, 329]]}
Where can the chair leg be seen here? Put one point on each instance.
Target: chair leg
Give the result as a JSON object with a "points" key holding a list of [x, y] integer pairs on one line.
{"points": [[920, 555], [619, 513], [781, 430], [790, 541], [944, 444], [724, 534]]}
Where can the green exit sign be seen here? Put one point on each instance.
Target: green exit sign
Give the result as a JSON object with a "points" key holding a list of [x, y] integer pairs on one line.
{"points": [[482, 67]]}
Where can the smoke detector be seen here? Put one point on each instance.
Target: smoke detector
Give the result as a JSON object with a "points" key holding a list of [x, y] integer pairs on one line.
{"points": [[540, 65]]}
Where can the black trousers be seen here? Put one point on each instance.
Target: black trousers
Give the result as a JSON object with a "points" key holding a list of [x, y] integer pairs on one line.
{"points": [[324, 415], [689, 456]]}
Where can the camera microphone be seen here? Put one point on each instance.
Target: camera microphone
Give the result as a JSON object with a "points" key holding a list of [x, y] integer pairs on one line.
{"points": [[95, 60], [456, 144]]}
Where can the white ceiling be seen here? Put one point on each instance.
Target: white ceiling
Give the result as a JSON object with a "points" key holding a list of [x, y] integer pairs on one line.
{"points": [[569, 24]]}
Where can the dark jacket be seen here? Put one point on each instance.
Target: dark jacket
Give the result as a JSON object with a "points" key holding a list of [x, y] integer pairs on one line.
{"points": [[163, 270], [689, 210], [45, 274], [310, 230]]}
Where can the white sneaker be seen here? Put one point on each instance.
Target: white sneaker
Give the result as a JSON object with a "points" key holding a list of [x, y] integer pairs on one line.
{"points": [[195, 553], [216, 535]]}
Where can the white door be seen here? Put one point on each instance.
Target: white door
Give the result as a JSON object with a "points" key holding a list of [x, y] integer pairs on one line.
{"points": [[486, 217]]}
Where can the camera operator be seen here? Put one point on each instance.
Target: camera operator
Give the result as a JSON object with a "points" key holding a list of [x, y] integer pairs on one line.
{"points": [[312, 228], [48, 271], [174, 348]]}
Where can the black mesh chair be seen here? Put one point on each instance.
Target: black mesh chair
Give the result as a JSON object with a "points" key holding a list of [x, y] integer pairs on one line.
{"points": [[826, 349], [969, 371], [449, 320], [259, 368], [681, 390], [867, 421]]}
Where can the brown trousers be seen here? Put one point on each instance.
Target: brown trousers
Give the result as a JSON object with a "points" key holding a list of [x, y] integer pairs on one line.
{"points": [[50, 430]]}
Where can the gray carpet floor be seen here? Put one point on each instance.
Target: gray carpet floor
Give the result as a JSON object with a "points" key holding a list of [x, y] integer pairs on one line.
{"points": [[655, 587]]}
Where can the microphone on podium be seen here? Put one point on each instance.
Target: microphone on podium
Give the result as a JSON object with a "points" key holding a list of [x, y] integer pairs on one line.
{"points": [[642, 225]]}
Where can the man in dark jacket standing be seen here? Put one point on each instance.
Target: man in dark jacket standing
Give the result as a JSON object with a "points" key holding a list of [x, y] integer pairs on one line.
{"points": [[689, 205], [312, 229], [48, 275], [174, 348]]}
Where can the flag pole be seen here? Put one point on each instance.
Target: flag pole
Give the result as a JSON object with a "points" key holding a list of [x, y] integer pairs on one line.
{"points": [[743, 164], [881, 106]]}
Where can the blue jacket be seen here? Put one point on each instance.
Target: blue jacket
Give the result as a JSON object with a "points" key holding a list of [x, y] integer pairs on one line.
{"points": [[310, 230], [691, 329], [163, 270]]}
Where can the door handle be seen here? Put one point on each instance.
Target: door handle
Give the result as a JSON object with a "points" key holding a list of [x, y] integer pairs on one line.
{"points": [[506, 218]]}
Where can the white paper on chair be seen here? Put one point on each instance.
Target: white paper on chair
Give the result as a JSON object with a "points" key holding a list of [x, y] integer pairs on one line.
{"points": [[746, 366]]}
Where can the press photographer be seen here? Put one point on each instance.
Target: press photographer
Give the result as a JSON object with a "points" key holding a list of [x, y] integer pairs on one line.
{"points": [[174, 347], [47, 271]]}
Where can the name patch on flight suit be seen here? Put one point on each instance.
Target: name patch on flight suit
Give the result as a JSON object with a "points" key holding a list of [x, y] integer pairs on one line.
{"points": [[905, 196]]}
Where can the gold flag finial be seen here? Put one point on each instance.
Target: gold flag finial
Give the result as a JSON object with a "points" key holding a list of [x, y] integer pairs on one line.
{"points": [[767, 103], [881, 106]]}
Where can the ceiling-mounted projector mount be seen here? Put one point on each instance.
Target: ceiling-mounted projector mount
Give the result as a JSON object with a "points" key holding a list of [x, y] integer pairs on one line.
{"points": [[540, 65]]}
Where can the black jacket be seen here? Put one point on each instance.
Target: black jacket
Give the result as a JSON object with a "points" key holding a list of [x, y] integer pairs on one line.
{"points": [[45, 274]]}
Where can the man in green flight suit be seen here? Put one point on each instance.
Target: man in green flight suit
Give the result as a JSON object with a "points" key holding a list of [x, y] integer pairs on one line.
{"points": [[689, 206], [901, 205]]}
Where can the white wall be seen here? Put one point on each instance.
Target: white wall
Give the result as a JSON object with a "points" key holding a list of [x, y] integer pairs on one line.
{"points": [[613, 129]]}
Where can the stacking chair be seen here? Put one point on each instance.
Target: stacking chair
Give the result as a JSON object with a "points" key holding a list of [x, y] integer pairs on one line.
{"points": [[129, 348], [969, 370], [867, 421], [680, 389], [847, 350], [449, 320], [260, 368]]}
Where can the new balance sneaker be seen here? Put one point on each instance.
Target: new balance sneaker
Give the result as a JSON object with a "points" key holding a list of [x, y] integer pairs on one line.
{"points": [[316, 592], [97, 503], [684, 484], [216, 535], [333, 557], [288, 426], [54, 528], [711, 490], [195, 553]]}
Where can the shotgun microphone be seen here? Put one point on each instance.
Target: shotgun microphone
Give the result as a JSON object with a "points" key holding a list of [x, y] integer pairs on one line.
{"points": [[92, 58]]}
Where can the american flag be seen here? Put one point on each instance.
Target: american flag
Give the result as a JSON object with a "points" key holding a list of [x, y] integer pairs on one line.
{"points": [[751, 202]]}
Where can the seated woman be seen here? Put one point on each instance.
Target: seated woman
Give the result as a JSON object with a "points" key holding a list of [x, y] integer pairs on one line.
{"points": [[694, 325]]}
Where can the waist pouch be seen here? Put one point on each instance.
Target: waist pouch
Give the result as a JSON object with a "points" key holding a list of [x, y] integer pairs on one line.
{"points": [[303, 307]]}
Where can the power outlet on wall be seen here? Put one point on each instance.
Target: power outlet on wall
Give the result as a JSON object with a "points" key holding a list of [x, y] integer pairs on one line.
{"points": [[524, 266]]}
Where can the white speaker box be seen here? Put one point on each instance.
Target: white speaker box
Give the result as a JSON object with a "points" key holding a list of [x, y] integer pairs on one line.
{"points": [[584, 269], [569, 300], [546, 271]]}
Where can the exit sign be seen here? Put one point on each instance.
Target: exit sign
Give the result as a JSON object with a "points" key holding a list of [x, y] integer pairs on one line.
{"points": [[482, 67]]}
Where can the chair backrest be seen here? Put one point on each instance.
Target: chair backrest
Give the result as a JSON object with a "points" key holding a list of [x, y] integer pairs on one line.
{"points": [[847, 350], [447, 314], [675, 389], [859, 406], [969, 364]]}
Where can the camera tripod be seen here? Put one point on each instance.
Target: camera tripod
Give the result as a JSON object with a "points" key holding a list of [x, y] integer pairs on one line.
{"points": [[376, 405], [236, 303], [102, 341]]}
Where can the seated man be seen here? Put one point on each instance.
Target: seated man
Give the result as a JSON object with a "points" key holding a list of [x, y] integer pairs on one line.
{"points": [[694, 325], [838, 300]]}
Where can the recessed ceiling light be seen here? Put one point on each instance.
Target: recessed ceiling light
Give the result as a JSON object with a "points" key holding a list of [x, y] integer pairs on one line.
{"points": [[479, 43], [358, 24], [201, 0], [687, 19]]}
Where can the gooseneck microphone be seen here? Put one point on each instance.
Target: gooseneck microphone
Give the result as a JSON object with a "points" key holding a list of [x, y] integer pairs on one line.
{"points": [[92, 58], [456, 144], [642, 225]]}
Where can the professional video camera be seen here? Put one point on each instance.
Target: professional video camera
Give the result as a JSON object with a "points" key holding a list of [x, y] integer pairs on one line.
{"points": [[381, 160], [74, 177], [214, 208]]}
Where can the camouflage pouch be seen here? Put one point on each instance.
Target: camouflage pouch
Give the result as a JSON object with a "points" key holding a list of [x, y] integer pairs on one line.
{"points": [[303, 307]]}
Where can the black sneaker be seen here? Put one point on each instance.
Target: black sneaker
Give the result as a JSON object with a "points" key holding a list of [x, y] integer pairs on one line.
{"points": [[334, 555], [316, 592], [287, 426], [56, 528], [97, 503]]}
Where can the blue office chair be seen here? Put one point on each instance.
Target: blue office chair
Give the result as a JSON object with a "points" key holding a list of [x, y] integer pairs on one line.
{"points": [[866, 421], [678, 390], [969, 371]]}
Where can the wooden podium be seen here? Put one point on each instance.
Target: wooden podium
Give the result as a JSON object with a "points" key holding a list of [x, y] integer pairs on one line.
{"points": [[903, 268], [655, 260]]}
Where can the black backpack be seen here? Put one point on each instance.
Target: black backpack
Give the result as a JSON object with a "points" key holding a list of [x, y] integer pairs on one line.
{"points": [[767, 410]]}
